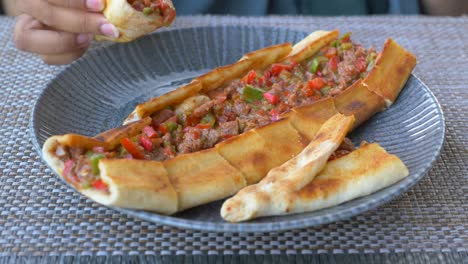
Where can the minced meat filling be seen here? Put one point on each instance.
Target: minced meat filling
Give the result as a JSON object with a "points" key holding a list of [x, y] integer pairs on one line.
{"points": [[257, 99]]}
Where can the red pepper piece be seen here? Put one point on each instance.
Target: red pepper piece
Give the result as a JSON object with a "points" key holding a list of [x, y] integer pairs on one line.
{"points": [[146, 143], [203, 126], [132, 148], [150, 132], [271, 98], [333, 63], [99, 185], [250, 77], [277, 68], [316, 83]]}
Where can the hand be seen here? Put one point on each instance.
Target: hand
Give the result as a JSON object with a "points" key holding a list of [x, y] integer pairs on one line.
{"points": [[60, 30]]}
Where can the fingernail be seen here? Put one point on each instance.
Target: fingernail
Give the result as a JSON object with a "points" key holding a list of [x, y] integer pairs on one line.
{"points": [[96, 5], [82, 39], [109, 30]]}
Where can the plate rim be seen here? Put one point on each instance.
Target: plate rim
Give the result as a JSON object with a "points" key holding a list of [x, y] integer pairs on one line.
{"points": [[394, 190]]}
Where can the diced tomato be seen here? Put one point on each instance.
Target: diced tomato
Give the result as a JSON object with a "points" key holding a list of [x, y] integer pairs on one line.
{"points": [[274, 114], [163, 129], [333, 63], [360, 64], [330, 52], [147, 2], [293, 64], [99, 185], [307, 91], [277, 68], [132, 148], [316, 83], [267, 75], [196, 134], [203, 126], [261, 81], [150, 132], [271, 98], [250, 77], [146, 143]]}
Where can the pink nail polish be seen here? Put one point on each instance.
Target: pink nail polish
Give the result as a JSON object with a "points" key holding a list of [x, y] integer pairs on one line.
{"points": [[82, 39], [110, 30], [96, 5]]}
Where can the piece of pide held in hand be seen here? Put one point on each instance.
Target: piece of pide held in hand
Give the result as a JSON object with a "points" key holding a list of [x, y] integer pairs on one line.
{"points": [[227, 128], [136, 18], [272, 195]]}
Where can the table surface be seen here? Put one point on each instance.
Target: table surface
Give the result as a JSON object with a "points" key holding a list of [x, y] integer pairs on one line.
{"points": [[40, 216]]}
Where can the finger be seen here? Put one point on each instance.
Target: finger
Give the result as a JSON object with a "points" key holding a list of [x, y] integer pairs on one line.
{"points": [[31, 36], [69, 20], [63, 59], [91, 5]]}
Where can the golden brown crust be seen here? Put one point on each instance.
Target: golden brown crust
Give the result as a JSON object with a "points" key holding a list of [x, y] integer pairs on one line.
{"points": [[112, 137], [308, 119], [202, 177], [357, 100], [392, 69], [131, 23], [135, 184], [222, 75], [275, 193], [266, 56], [247, 154], [368, 169], [156, 104]]}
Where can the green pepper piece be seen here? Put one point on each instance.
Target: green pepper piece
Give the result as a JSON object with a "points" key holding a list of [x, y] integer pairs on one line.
{"points": [[94, 160], [252, 94], [324, 91], [335, 43], [346, 46], [171, 126], [209, 119], [147, 11], [316, 63]]}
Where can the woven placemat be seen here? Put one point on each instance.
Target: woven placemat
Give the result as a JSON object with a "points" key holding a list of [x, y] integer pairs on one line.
{"points": [[41, 216]]}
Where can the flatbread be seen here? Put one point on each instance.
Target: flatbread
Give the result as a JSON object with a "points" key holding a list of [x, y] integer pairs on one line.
{"points": [[392, 69], [135, 184], [202, 177], [131, 23], [272, 195], [362, 172]]}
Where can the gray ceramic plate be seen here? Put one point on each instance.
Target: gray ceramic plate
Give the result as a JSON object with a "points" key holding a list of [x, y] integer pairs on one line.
{"points": [[97, 92]]}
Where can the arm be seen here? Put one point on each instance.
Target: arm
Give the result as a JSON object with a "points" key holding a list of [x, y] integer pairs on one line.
{"points": [[10, 8]]}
